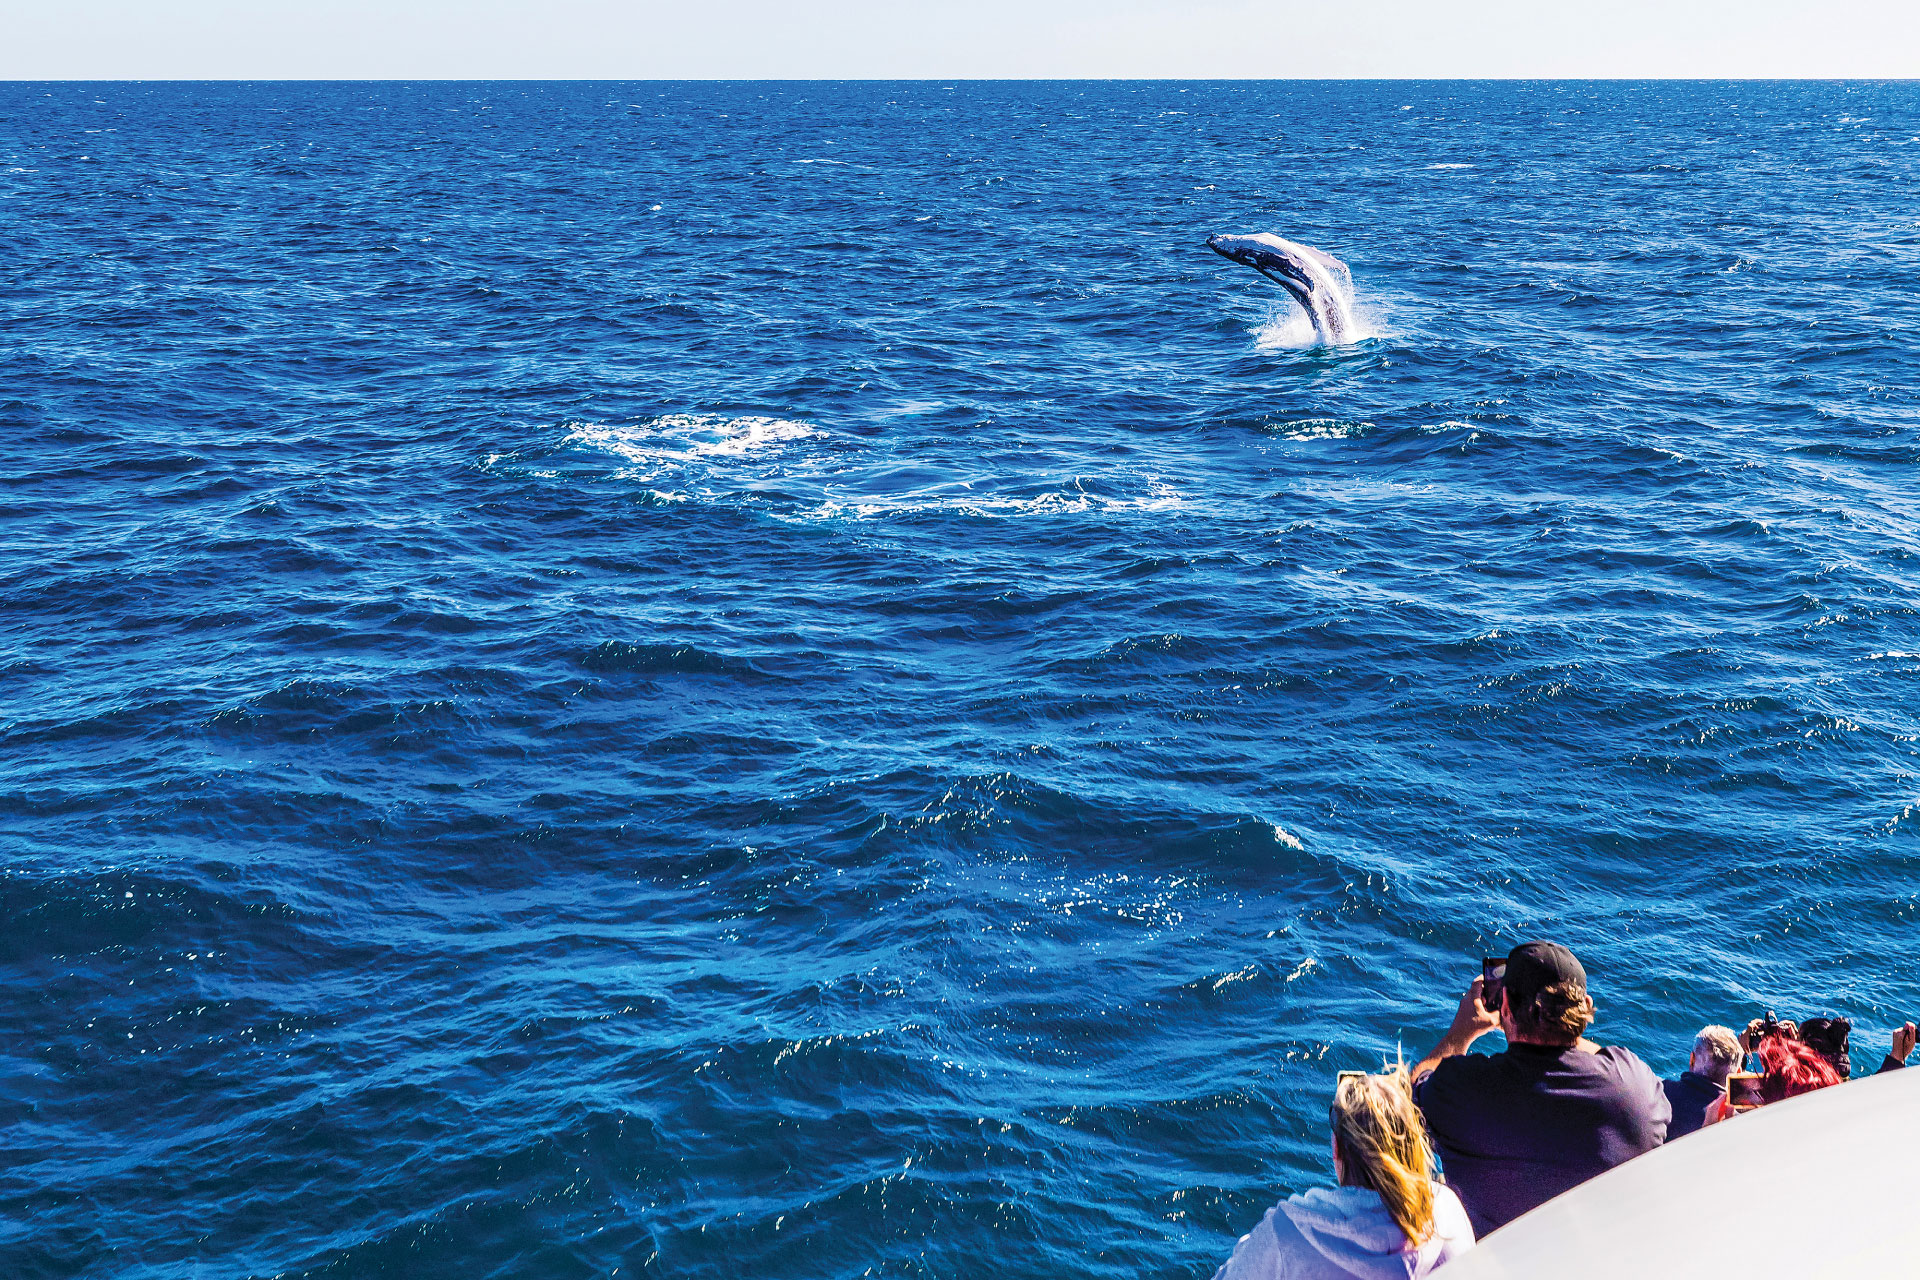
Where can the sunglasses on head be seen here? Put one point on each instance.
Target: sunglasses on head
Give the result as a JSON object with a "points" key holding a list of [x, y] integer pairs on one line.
{"points": [[1338, 1081]]}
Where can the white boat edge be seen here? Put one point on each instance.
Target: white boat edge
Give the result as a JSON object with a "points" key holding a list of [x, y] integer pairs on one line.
{"points": [[1823, 1185]]}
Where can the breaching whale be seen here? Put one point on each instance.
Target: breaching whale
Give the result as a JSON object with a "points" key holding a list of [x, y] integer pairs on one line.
{"points": [[1318, 281]]}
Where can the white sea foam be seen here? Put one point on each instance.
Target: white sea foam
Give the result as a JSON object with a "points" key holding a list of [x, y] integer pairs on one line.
{"points": [[1157, 496], [680, 438], [1319, 429], [706, 457], [1453, 166], [1238, 975]]}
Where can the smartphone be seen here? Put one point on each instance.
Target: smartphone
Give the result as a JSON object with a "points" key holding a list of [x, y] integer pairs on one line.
{"points": [[1493, 975], [1743, 1091]]}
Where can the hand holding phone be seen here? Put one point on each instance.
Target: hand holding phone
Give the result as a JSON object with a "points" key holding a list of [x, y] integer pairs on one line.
{"points": [[1743, 1091], [1493, 976]]}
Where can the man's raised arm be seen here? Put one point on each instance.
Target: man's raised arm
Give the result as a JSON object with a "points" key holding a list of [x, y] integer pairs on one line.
{"points": [[1470, 1021]]}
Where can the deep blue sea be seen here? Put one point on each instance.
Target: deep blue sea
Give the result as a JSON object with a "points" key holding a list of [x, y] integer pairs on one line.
{"points": [[793, 680]]}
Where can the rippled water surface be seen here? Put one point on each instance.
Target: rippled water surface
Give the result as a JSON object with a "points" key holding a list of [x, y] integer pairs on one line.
{"points": [[793, 680]]}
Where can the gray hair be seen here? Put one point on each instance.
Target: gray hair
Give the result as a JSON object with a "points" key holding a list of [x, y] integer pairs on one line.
{"points": [[1717, 1050]]}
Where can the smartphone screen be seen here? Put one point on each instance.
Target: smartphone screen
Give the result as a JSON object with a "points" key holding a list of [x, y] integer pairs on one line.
{"points": [[1743, 1090], [1493, 973]]}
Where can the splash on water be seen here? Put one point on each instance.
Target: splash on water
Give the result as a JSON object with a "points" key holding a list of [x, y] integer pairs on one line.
{"points": [[1290, 328]]}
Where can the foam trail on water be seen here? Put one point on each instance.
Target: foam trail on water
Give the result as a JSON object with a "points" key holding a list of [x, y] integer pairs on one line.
{"points": [[687, 437]]}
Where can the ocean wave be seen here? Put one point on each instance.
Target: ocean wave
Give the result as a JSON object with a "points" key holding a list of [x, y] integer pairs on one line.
{"points": [[620, 656]]}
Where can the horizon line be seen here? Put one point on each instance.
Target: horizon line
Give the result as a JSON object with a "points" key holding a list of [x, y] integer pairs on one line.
{"points": [[948, 80]]}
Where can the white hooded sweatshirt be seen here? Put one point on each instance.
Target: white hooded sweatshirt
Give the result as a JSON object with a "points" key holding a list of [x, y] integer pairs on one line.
{"points": [[1345, 1232]]}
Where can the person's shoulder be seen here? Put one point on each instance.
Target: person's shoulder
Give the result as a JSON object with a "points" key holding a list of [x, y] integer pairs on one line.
{"points": [[1460, 1076], [1468, 1066], [1449, 1215], [1634, 1086], [1452, 1228], [1254, 1254], [1628, 1063], [1449, 1071]]}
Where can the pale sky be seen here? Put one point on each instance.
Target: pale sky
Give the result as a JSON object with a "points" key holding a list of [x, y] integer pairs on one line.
{"points": [[943, 39]]}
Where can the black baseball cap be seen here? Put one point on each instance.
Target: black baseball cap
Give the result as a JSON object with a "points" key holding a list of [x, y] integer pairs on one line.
{"points": [[1532, 967]]}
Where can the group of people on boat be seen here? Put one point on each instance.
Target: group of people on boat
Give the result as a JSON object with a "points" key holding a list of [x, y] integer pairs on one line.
{"points": [[1514, 1129]]}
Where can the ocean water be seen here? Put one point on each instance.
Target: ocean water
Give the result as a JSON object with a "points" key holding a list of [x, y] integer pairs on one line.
{"points": [[684, 680]]}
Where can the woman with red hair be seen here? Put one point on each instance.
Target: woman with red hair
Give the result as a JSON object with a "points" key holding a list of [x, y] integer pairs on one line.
{"points": [[1788, 1068]]}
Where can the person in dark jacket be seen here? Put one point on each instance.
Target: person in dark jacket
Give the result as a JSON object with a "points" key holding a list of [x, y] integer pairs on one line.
{"points": [[1716, 1054], [1516, 1129]]}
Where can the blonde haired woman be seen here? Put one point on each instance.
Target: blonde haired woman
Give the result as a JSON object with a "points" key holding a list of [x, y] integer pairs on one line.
{"points": [[1389, 1219]]}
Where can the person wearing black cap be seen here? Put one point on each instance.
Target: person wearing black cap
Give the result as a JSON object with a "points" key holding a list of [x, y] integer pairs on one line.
{"points": [[1516, 1129]]}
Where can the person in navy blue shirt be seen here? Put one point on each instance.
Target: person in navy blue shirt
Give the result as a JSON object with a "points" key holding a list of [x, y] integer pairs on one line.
{"points": [[1716, 1055], [1517, 1128]]}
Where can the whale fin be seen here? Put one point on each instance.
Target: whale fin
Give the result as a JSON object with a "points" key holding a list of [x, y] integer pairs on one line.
{"points": [[1334, 267]]}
